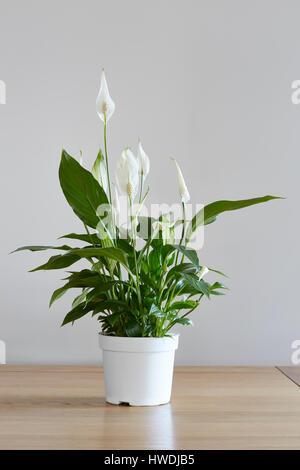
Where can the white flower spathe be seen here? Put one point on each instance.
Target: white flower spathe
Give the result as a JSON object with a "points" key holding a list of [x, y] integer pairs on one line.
{"points": [[183, 191], [104, 104], [204, 270], [127, 172], [144, 161]]}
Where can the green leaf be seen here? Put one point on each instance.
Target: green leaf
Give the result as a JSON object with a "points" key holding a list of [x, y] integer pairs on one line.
{"points": [[77, 312], [111, 319], [179, 270], [209, 213], [80, 298], [107, 242], [147, 281], [218, 272], [58, 262], [42, 248], [156, 312], [58, 293], [113, 305], [166, 251], [91, 238], [109, 252], [189, 304], [145, 227], [125, 246], [154, 261], [190, 254], [210, 221], [183, 321], [196, 284], [81, 279], [217, 285], [102, 288], [86, 278], [132, 328], [82, 191]]}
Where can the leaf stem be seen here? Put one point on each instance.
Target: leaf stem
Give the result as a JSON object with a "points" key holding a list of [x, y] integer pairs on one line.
{"points": [[92, 243], [88, 232]]}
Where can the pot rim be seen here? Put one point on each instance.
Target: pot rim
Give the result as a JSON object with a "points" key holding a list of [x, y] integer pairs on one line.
{"points": [[138, 344], [100, 333]]}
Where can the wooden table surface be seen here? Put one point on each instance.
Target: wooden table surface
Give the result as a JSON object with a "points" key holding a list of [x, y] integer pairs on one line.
{"points": [[211, 408]]}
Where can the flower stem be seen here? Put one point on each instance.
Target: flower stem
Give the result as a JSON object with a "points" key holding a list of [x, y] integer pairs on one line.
{"points": [[141, 186], [138, 291], [106, 160], [182, 232]]}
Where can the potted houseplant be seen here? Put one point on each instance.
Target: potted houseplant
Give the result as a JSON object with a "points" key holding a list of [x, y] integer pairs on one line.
{"points": [[141, 279]]}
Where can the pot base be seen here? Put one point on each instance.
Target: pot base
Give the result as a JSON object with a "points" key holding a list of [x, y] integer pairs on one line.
{"points": [[112, 401]]}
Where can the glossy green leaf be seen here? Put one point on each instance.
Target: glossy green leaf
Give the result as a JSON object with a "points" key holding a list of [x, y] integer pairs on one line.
{"points": [[217, 285], [145, 227], [80, 298], [156, 312], [102, 288], [180, 269], [210, 220], [147, 281], [109, 252], [195, 284], [218, 272], [82, 191], [111, 319], [113, 305], [91, 238], [209, 213], [81, 279], [58, 262], [154, 261], [190, 254], [86, 278], [183, 321], [42, 248], [179, 305], [58, 293], [77, 312], [125, 246], [133, 328]]}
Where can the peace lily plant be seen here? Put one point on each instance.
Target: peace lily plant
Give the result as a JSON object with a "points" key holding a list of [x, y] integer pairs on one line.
{"points": [[138, 283]]}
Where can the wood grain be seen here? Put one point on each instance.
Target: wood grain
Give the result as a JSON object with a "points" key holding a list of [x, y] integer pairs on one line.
{"points": [[211, 408]]}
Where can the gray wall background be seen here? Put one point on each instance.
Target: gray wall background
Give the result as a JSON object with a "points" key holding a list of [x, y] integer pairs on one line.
{"points": [[208, 82]]}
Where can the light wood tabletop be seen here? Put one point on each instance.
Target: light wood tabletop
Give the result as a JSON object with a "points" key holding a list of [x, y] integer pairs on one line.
{"points": [[211, 408]]}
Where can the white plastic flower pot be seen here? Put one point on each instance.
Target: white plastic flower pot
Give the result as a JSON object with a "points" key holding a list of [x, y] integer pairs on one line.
{"points": [[138, 371]]}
